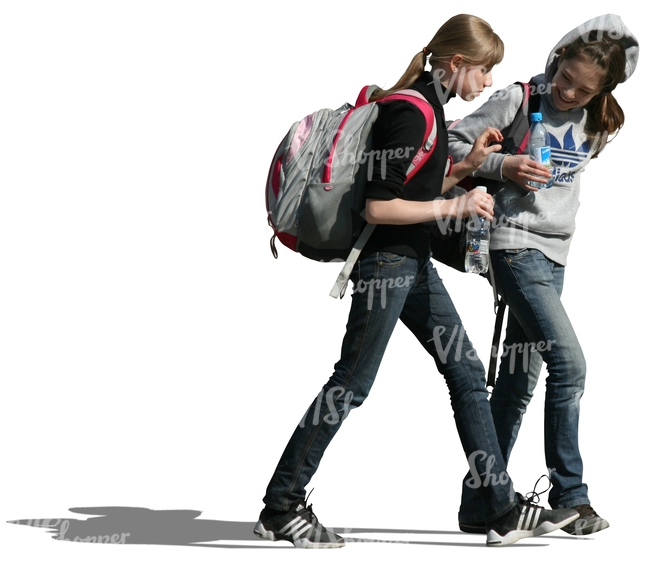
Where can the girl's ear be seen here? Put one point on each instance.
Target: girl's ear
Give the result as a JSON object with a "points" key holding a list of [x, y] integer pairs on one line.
{"points": [[456, 62]]}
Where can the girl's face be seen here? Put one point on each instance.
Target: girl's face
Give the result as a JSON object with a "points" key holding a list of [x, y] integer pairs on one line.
{"points": [[471, 81], [575, 83]]}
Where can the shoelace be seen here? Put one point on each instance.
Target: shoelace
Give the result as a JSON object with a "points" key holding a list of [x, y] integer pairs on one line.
{"points": [[308, 511], [533, 498]]}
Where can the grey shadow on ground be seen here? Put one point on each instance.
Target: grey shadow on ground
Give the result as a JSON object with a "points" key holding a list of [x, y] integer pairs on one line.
{"points": [[182, 527]]}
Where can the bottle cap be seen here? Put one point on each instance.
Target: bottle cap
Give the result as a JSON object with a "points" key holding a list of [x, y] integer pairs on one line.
{"points": [[535, 117]]}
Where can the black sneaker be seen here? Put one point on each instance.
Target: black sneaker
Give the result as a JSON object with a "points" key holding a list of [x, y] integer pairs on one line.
{"points": [[527, 520], [299, 526], [588, 523]]}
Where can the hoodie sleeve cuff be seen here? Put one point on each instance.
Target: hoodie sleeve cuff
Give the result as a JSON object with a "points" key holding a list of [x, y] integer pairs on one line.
{"points": [[492, 168]]}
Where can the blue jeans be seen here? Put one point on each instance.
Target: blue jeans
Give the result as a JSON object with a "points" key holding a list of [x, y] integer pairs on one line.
{"points": [[538, 329], [388, 287]]}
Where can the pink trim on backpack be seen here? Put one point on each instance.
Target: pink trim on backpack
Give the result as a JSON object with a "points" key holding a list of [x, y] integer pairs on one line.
{"points": [[362, 98], [289, 240], [301, 134], [275, 176], [524, 142], [451, 165]]}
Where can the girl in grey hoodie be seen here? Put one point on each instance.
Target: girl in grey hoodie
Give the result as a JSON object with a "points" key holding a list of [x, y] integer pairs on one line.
{"points": [[530, 239]]}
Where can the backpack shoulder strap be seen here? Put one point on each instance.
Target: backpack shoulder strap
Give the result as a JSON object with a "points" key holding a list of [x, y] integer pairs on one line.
{"points": [[431, 130], [499, 311], [534, 98], [418, 100], [518, 130], [516, 134]]}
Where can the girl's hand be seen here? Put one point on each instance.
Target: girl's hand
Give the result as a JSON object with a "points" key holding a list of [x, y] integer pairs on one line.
{"points": [[522, 170], [483, 147], [474, 203]]}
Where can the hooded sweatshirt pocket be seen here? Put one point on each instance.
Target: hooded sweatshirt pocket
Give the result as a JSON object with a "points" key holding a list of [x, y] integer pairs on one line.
{"points": [[550, 211]]}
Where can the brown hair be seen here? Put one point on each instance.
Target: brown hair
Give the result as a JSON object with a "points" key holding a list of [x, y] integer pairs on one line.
{"points": [[604, 115], [465, 35]]}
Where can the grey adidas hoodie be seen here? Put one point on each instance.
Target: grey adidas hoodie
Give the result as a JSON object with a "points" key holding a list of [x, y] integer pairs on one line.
{"points": [[544, 220]]}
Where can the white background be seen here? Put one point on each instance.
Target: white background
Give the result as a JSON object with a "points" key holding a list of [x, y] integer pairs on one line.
{"points": [[154, 354]]}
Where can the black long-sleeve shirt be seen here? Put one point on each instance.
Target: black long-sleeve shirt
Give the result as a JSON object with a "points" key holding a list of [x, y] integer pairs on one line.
{"points": [[397, 135]]}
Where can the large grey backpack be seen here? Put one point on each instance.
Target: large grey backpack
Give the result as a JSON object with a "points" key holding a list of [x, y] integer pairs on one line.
{"points": [[315, 191]]}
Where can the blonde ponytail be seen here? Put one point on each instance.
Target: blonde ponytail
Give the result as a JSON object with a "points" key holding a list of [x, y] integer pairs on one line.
{"points": [[465, 35]]}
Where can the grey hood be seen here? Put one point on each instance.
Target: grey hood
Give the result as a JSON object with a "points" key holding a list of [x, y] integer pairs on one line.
{"points": [[609, 25]]}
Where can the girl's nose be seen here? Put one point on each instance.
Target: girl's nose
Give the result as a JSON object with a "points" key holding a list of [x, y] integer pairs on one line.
{"points": [[569, 93]]}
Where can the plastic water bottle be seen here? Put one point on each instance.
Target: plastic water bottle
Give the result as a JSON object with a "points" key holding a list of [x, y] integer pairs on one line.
{"points": [[477, 246], [539, 147]]}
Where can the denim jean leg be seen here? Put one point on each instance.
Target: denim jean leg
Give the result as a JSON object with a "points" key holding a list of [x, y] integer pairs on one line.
{"points": [[532, 287], [510, 397], [519, 371], [382, 282], [430, 314]]}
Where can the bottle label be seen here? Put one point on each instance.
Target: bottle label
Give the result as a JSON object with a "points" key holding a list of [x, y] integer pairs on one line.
{"points": [[477, 247], [543, 156]]}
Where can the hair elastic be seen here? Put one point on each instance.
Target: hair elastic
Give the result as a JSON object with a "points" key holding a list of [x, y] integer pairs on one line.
{"points": [[425, 55]]}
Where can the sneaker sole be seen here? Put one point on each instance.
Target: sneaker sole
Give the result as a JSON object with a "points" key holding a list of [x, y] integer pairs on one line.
{"points": [[263, 533], [494, 539], [589, 529], [472, 528]]}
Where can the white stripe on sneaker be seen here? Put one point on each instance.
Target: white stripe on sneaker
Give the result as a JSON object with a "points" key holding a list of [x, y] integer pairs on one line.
{"points": [[296, 528], [300, 530], [529, 517], [526, 525], [288, 525], [538, 513], [520, 523]]}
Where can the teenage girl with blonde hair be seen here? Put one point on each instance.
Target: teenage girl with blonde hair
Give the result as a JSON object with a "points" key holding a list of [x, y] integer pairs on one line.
{"points": [[461, 55]]}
